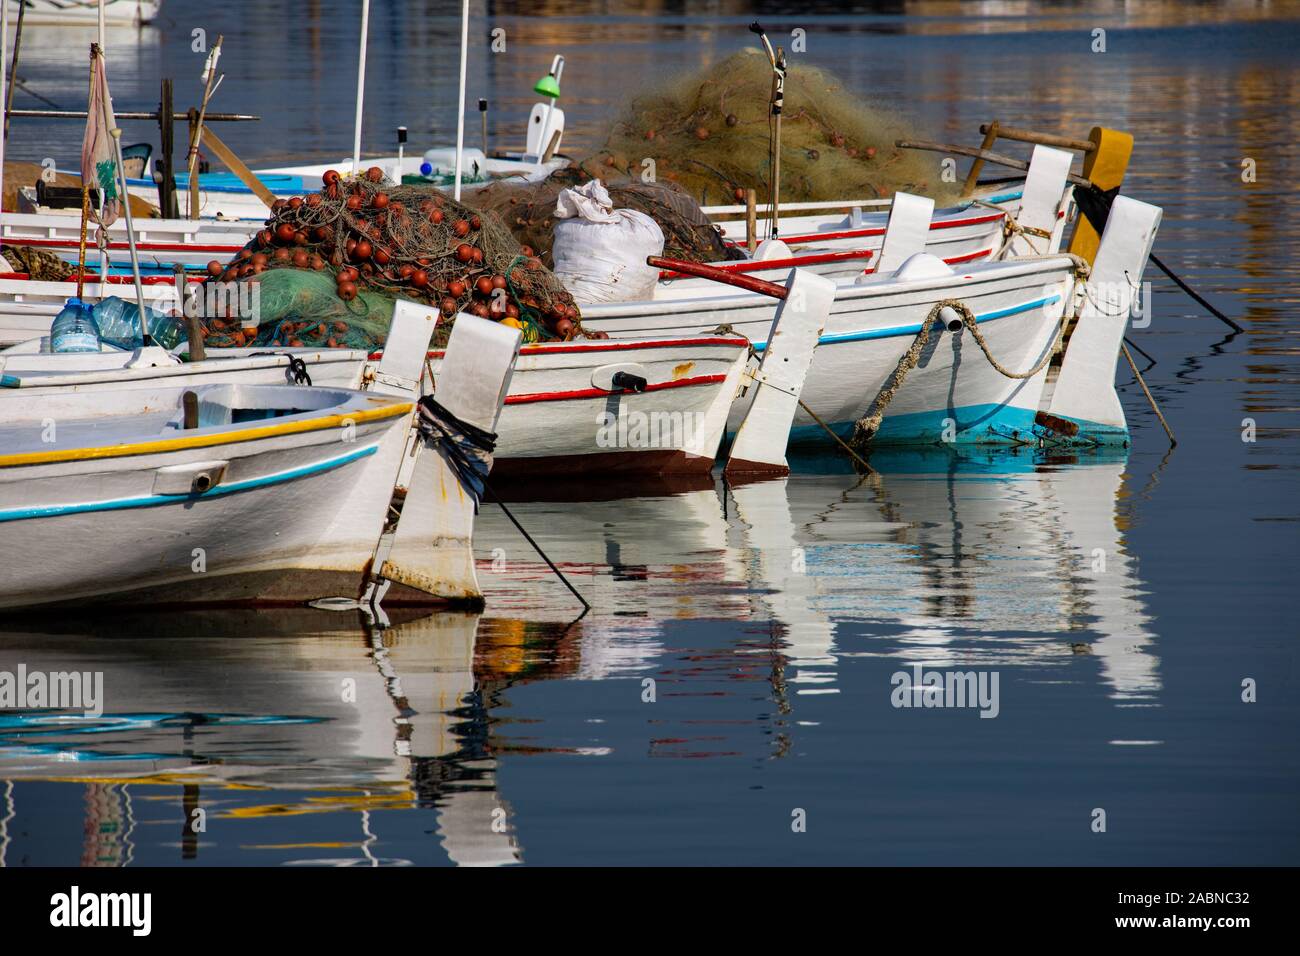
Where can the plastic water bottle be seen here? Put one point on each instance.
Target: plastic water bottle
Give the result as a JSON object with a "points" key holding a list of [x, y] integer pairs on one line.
{"points": [[119, 324], [74, 329]]}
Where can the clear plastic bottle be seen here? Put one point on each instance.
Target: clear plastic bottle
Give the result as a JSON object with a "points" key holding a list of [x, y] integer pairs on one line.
{"points": [[75, 329], [119, 324]]}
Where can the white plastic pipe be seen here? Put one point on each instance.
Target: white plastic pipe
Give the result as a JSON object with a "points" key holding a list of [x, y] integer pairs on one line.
{"points": [[460, 103], [361, 87]]}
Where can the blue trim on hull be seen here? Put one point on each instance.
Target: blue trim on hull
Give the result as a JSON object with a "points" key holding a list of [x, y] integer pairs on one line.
{"points": [[153, 501], [839, 338], [975, 425]]}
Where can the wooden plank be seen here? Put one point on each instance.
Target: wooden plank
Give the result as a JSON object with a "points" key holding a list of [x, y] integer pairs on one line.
{"points": [[1040, 139], [236, 166], [990, 131], [987, 155], [1105, 166]]}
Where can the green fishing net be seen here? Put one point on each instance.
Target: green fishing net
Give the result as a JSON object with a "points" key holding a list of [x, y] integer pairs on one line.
{"points": [[299, 307], [709, 133]]}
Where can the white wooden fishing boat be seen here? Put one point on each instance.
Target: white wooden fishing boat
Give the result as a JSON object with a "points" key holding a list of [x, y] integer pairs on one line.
{"points": [[84, 12], [955, 394], [286, 490], [148, 378], [28, 307], [660, 406], [968, 232], [252, 505]]}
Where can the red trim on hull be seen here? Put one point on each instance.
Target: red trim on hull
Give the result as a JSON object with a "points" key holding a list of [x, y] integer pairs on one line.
{"points": [[880, 230], [140, 246], [582, 393], [750, 265], [112, 279], [607, 346], [620, 462]]}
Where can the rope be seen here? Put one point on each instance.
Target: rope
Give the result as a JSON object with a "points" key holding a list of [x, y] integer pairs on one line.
{"points": [[295, 372], [867, 426], [468, 447]]}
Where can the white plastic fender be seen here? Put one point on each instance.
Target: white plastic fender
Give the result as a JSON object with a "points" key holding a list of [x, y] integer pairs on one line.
{"points": [[770, 249], [906, 232], [764, 432], [1085, 388]]}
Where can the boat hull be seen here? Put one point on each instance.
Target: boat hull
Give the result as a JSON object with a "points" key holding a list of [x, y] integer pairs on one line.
{"points": [[561, 416], [953, 396], [113, 521]]}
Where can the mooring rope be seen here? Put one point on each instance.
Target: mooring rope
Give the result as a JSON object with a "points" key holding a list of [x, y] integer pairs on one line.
{"points": [[866, 427]]}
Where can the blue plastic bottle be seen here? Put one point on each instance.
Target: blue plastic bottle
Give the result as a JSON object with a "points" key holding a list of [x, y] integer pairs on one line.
{"points": [[119, 324], [74, 329]]}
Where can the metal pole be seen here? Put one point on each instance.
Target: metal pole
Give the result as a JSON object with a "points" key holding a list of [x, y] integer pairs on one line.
{"points": [[361, 87], [130, 234], [13, 69], [4, 89], [460, 102], [196, 121]]}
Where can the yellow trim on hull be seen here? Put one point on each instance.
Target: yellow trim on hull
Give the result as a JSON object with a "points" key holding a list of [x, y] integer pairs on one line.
{"points": [[203, 441]]}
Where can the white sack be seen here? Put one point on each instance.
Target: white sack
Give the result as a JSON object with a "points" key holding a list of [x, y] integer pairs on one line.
{"points": [[600, 251]]}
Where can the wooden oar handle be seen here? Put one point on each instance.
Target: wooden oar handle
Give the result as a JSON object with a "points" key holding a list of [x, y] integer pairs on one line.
{"points": [[739, 280]]}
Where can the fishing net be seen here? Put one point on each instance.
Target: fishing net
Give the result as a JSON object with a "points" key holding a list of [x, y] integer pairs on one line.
{"points": [[301, 307], [361, 242], [528, 209], [709, 133], [37, 263]]}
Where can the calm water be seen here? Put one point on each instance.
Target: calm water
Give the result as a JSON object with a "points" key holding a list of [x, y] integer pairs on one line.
{"points": [[1121, 602]]}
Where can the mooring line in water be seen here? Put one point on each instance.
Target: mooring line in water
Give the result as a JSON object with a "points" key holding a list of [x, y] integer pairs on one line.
{"points": [[1150, 398], [1143, 352], [840, 441], [1195, 296], [536, 547]]}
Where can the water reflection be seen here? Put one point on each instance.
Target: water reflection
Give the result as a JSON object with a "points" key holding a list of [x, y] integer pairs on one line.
{"points": [[269, 716], [299, 733], [949, 560]]}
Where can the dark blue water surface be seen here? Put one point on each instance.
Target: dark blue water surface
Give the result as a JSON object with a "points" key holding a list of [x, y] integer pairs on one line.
{"points": [[1120, 601]]}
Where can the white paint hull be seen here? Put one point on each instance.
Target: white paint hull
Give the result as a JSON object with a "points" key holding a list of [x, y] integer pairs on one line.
{"points": [[30, 381], [293, 515], [557, 421], [953, 395], [958, 234]]}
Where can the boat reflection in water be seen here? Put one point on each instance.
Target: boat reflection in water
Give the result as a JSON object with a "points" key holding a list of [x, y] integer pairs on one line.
{"points": [[300, 734], [971, 559], [276, 716]]}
